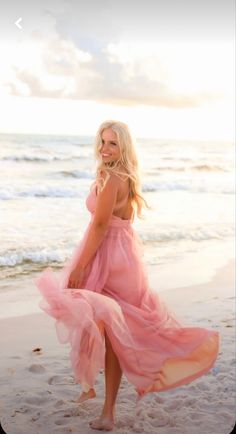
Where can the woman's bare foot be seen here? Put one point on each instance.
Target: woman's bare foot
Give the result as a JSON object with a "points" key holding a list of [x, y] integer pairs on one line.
{"points": [[86, 395], [102, 423]]}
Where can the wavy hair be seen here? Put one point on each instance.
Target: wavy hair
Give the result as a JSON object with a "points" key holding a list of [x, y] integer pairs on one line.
{"points": [[126, 167]]}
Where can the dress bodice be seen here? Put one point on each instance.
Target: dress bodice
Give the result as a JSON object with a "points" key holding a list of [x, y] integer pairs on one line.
{"points": [[91, 204]]}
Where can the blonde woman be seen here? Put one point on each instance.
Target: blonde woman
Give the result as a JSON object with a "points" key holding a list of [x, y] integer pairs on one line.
{"points": [[102, 301]]}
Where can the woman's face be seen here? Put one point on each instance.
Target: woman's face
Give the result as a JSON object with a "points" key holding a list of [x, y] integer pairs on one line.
{"points": [[110, 150]]}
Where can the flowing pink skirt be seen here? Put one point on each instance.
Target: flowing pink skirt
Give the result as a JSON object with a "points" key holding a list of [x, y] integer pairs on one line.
{"points": [[155, 351]]}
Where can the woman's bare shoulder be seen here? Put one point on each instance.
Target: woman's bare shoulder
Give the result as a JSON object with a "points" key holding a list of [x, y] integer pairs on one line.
{"points": [[110, 176]]}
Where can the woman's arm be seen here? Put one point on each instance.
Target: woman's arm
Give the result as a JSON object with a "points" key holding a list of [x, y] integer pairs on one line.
{"points": [[104, 207]]}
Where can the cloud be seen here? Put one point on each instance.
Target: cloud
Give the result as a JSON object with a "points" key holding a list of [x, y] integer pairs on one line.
{"points": [[56, 69], [122, 73], [124, 54]]}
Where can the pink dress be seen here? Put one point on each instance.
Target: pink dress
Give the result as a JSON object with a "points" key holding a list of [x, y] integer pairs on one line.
{"points": [[155, 351]]}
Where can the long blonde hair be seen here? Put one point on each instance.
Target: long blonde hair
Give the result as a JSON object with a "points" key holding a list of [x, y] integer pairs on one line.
{"points": [[126, 167]]}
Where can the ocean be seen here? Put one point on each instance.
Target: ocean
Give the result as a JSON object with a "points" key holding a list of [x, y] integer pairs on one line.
{"points": [[44, 181]]}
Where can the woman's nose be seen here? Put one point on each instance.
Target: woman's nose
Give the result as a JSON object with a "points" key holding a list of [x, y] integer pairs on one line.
{"points": [[104, 147]]}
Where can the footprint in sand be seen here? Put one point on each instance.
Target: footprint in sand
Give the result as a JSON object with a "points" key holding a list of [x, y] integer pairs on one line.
{"points": [[23, 409], [203, 386], [159, 399], [55, 379], [63, 416], [61, 422], [190, 402], [75, 411], [35, 417], [140, 413], [175, 405], [59, 380], [37, 369], [158, 417], [59, 403], [126, 422], [36, 400], [141, 427]]}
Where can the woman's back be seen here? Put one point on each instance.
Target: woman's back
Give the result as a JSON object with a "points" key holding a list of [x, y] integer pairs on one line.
{"points": [[123, 207]]}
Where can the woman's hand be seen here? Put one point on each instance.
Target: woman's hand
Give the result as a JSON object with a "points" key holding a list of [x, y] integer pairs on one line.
{"points": [[76, 279]]}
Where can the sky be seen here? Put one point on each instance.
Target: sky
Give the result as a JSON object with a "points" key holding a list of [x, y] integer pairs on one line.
{"points": [[166, 68]]}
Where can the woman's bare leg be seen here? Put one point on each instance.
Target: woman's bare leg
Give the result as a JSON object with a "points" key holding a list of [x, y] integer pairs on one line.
{"points": [[113, 374]]}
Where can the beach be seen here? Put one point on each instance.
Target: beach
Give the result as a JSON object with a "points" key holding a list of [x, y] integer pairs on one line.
{"points": [[38, 391], [188, 240]]}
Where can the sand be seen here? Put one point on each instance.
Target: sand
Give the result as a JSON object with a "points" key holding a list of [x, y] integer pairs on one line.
{"points": [[37, 388]]}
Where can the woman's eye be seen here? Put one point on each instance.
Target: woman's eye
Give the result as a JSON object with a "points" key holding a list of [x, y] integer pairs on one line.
{"points": [[111, 143]]}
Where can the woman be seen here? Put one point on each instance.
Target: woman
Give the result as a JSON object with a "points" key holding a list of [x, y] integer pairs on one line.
{"points": [[102, 300]]}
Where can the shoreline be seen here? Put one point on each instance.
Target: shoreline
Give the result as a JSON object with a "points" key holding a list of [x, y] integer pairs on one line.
{"points": [[37, 388], [20, 297]]}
